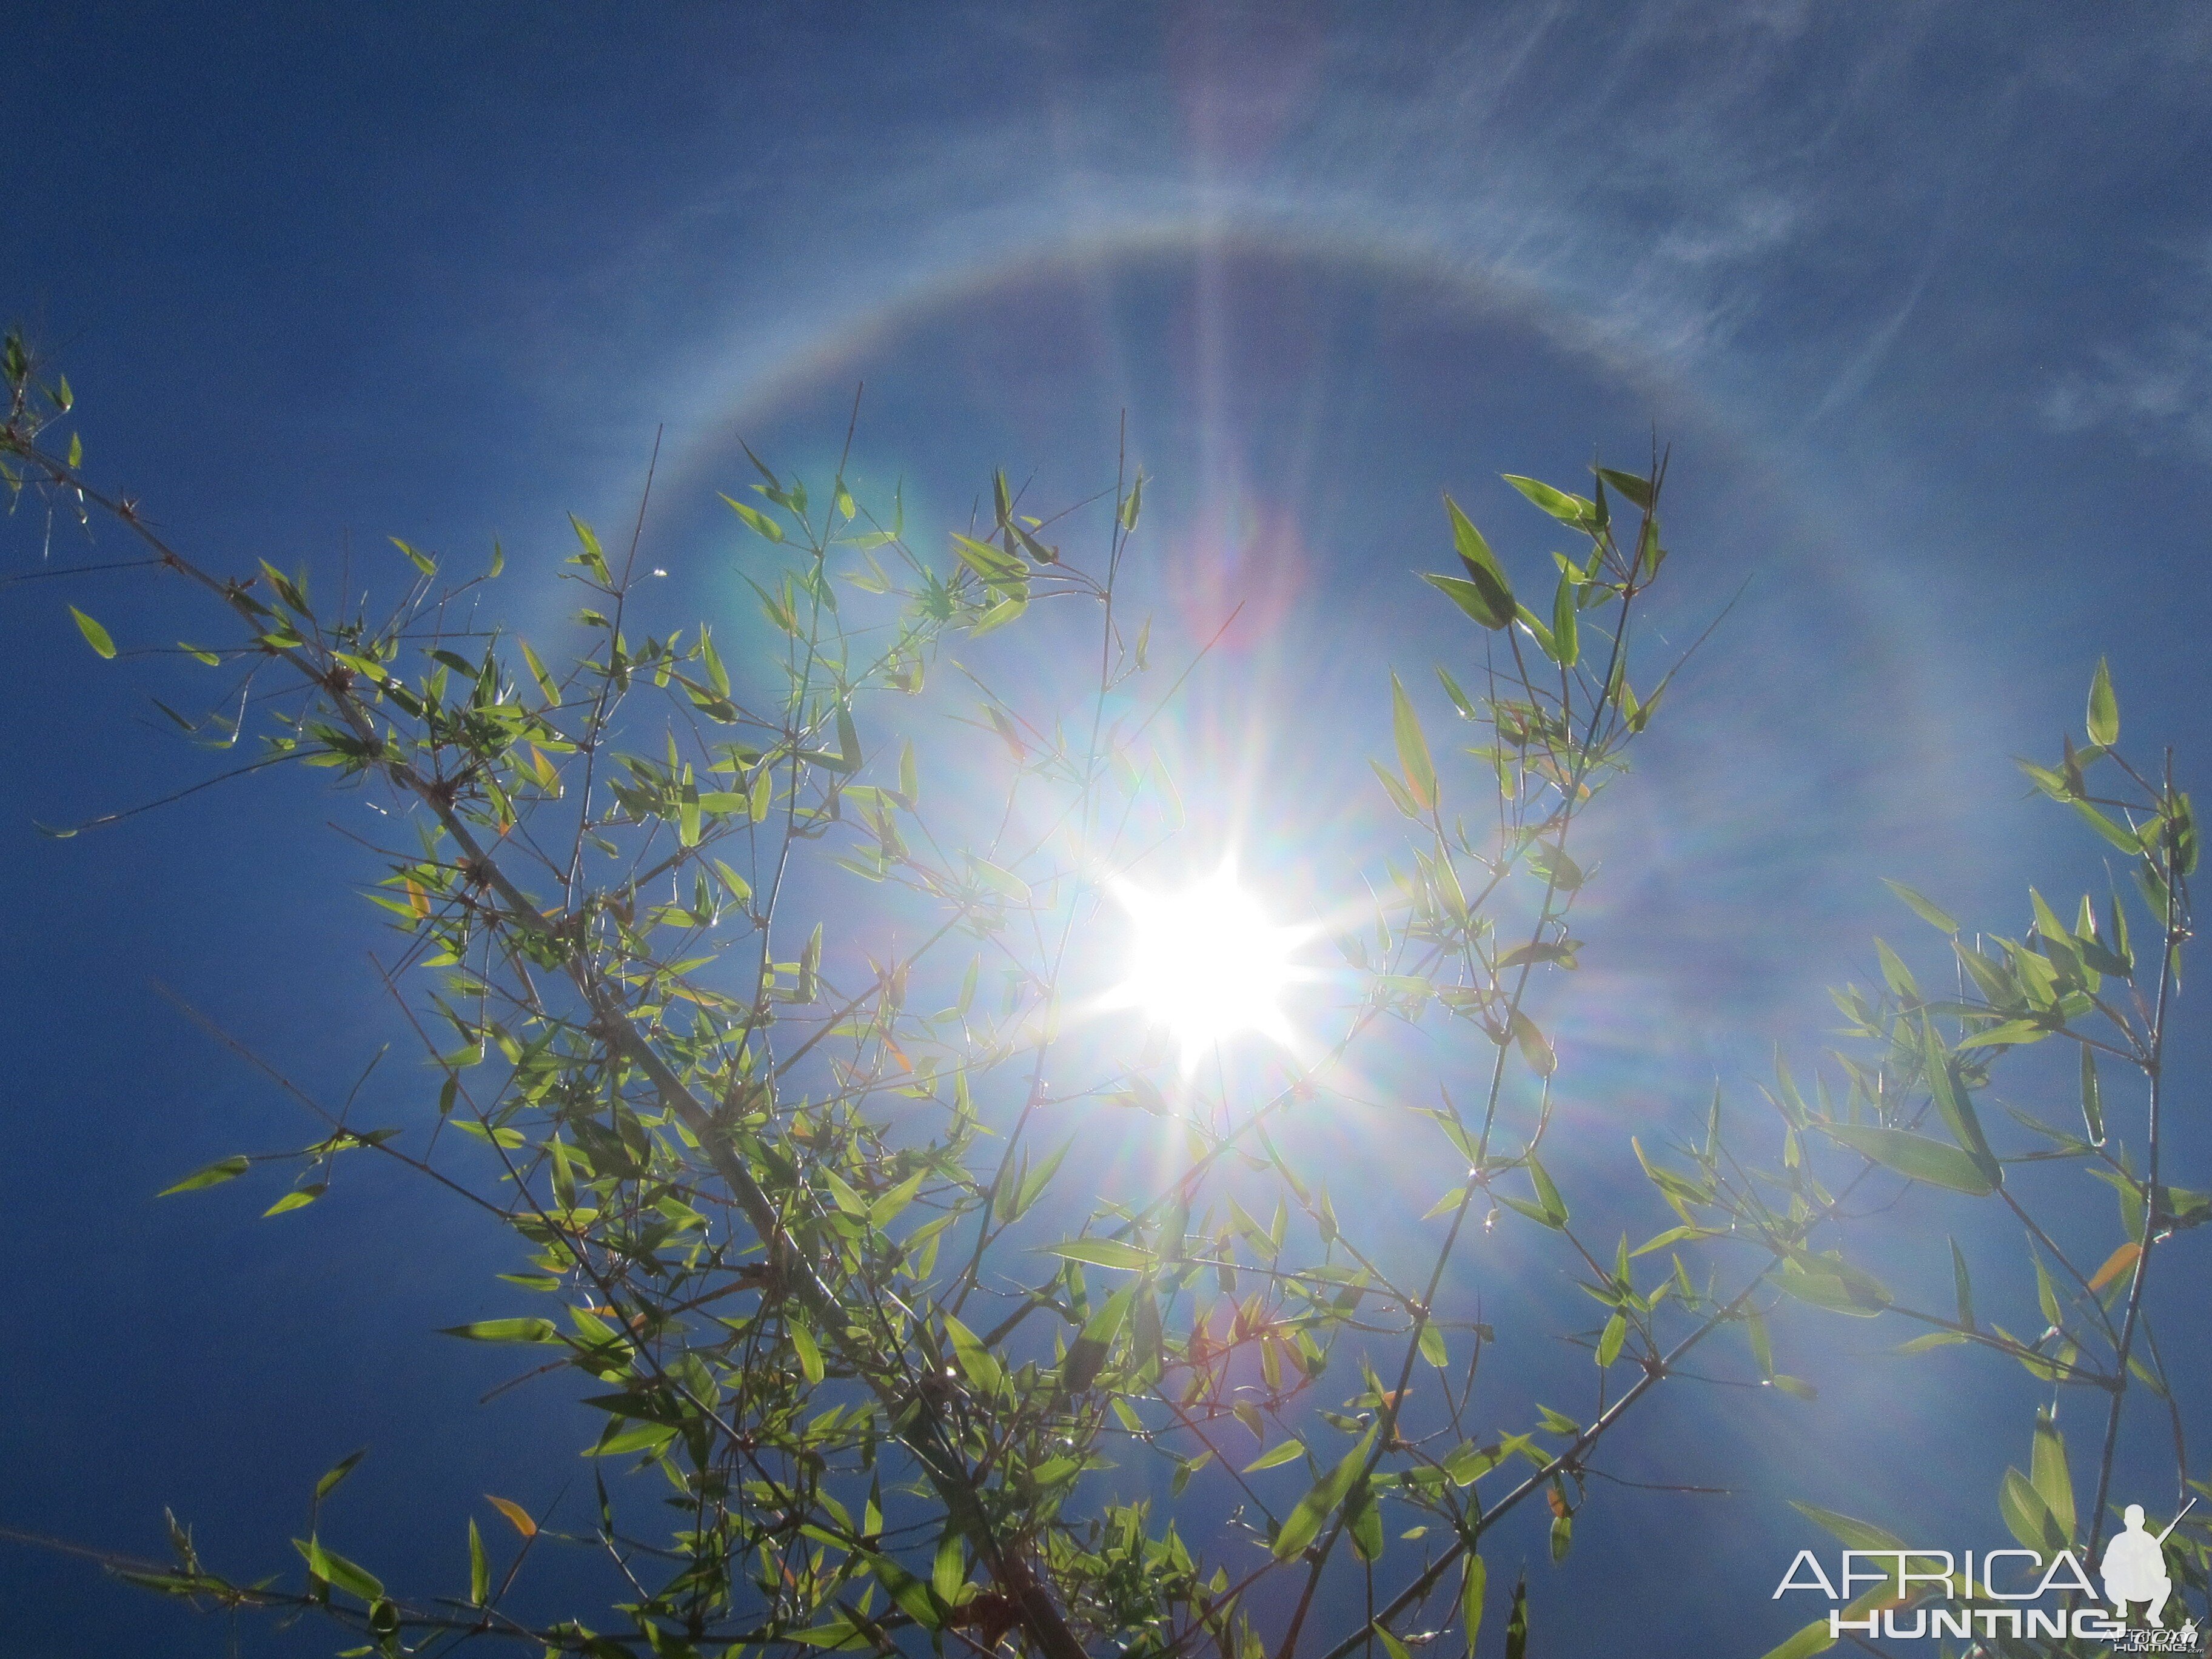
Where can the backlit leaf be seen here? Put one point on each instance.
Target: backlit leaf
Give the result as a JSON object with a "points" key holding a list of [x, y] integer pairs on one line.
{"points": [[1915, 1155], [1419, 770], [2103, 709], [517, 1516], [505, 1330], [227, 1169], [1493, 594], [95, 635]]}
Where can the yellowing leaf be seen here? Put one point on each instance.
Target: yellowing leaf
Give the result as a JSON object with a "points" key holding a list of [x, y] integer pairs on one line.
{"points": [[515, 1513], [2122, 1260]]}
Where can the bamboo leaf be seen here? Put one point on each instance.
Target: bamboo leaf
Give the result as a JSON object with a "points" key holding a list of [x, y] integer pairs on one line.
{"points": [[1305, 1522], [337, 1472], [2103, 721], [1420, 771], [95, 635], [974, 1359], [1100, 1252], [2050, 1476], [2119, 1263], [1917, 1156], [1289, 1449], [222, 1169], [756, 520], [505, 1330], [1928, 912], [1490, 598], [479, 1567]]}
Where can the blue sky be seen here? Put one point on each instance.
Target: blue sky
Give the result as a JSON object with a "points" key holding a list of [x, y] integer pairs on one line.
{"points": [[1921, 294]]}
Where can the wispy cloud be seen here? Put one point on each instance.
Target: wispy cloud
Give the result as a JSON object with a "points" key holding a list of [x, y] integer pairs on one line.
{"points": [[2156, 385]]}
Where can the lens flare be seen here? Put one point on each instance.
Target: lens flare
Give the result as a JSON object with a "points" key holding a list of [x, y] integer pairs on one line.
{"points": [[1206, 963]]}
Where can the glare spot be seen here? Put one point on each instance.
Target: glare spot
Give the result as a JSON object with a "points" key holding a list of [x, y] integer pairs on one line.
{"points": [[1207, 963]]}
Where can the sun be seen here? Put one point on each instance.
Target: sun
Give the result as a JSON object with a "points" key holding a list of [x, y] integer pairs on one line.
{"points": [[1207, 963]]}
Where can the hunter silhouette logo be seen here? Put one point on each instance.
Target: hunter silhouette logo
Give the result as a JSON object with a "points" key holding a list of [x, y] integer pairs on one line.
{"points": [[1924, 1594], [2134, 1568]]}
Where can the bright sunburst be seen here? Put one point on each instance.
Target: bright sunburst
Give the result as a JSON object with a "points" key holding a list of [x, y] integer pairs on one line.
{"points": [[1207, 963]]}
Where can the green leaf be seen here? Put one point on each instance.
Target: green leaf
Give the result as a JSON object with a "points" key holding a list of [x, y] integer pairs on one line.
{"points": [[1473, 1580], [2049, 1475], [2103, 709], [95, 635], [479, 1567], [2110, 831], [1566, 630], [756, 520], [338, 1472], [336, 1570], [1535, 1048], [1957, 1109], [649, 1438], [1290, 1449], [1305, 1522], [1005, 882], [1762, 1345], [1100, 1252], [546, 687], [592, 557], [911, 1595], [999, 569], [505, 1330], [1466, 595], [1934, 917], [1420, 771], [1539, 630], [1608, 1344], [2092, 1098], [1964, 1284], [1133, 504], [2011, 1033], [298, 1198], [227, 1169], [809, 1351], [1567, 509], [1492, 595], [2027, 1515], [1916, 1157], [1548, 1195], [1854, 1534], [1639, 490], [1516, 1623], [1825, 1282], [949, 1572], [974, 1359], [1895, 973], [1400, 796]]}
